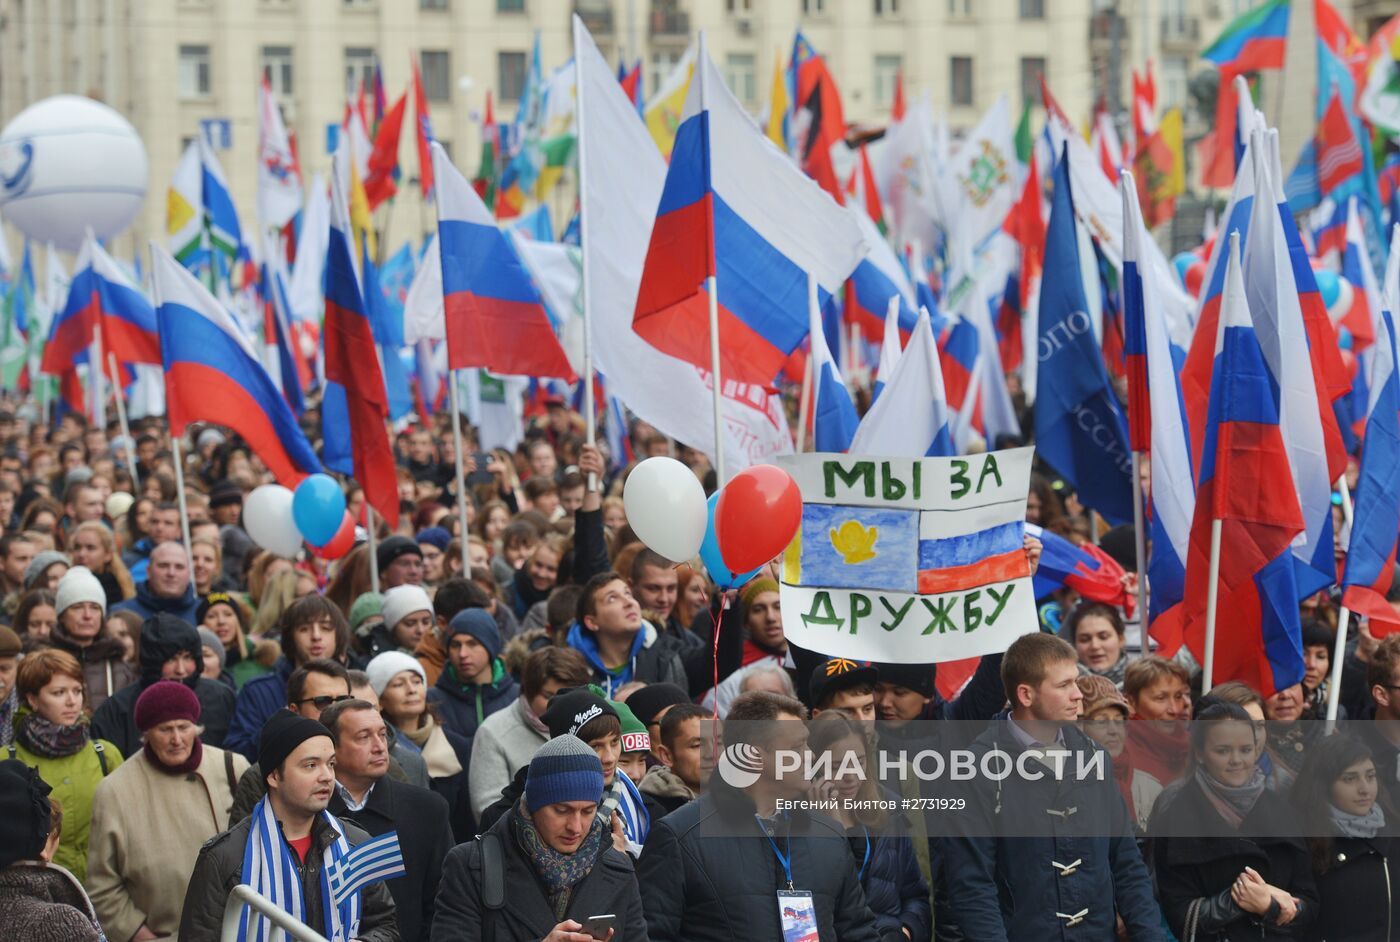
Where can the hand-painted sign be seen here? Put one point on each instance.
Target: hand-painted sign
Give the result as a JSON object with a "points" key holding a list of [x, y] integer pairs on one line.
{"points": [[909, 560]]}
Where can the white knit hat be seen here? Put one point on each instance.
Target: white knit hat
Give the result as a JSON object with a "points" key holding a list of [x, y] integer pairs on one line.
{"points": [[79, 585], [385, 667], [402, 601]]}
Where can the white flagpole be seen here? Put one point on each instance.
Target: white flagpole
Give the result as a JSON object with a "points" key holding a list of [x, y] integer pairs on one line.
{"points": [[126, 429], [461, 479], [1339, 644], [590, 408], [1140, 547], [180, 495], [712, 289], [1212, 593], [373, 556]]}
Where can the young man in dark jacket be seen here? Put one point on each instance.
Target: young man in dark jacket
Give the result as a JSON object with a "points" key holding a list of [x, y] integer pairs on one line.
{"points": [[701, 882], [300, 758], [619, 645], [556, 862], [1043, 852], [474, 683]]}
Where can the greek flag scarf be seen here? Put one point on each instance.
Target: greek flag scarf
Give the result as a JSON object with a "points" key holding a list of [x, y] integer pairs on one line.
{"points": [[270, 867], [624, 799]]}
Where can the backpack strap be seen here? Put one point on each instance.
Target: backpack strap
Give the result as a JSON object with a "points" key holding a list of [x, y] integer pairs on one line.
{"points": [[101, 755], [228, 773], [493, 881]]}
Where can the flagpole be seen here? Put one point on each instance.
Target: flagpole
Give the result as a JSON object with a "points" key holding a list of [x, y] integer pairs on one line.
{"points": [[590, 408], [804, 407], [373, 555], [1339, 643], [121, 418], [461, 478], [97, 393], [180, 495], [1140, 547], [712, 289], [1212, 594]]}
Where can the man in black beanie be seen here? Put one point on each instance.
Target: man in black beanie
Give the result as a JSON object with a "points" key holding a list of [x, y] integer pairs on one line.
{"points": [[400, 562], [170, 650], [289, 835]]}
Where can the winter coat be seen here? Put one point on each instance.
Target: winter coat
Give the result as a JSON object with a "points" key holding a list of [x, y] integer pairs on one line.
{"points": [[699, 882], [220, 868], [653, 659], [256, 702], [44, 903], [244, 667], [1359, 869], [146, 603], [147, 828], [453, 786], [610, 887], [503, 745], [664, 787], [894, 888], [1197, 855], [462, 707], [1065, 874], [252, 784], [420, 818], [160, 641], [105, 670], [74, 780]]}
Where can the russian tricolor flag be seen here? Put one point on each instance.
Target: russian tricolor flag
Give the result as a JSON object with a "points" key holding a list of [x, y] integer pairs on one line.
{"points": [[966, 561], [1246, 485], [355, 407], [495, 317], [736, 209], [834, 418], [212, 374], [959, 357], [101, 296], [1363, 318], [877, 278], [891, 348]]}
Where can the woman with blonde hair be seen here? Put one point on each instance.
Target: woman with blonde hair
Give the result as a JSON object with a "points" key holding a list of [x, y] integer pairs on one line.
{"points": [[92, 545], [224, 614], [282, 590], [263, 567]]}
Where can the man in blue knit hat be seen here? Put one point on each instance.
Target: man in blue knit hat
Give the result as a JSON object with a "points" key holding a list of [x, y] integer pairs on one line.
{"points": [[474, 683]]}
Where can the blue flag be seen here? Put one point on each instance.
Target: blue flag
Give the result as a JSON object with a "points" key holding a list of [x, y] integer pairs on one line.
{"points": [[1079, 428]]}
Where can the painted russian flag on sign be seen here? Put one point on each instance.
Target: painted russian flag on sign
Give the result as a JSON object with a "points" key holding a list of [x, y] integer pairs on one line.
{"points": [[966, 561], [1253, 41], [735, 207], [495, 317], [212, 374], [1246, 484], [101, 296]]}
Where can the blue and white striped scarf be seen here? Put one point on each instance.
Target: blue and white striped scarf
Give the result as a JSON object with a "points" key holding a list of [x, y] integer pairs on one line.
{"points": [[270, 867], [624, 799]]}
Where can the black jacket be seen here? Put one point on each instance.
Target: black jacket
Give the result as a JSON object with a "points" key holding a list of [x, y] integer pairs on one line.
{"points": [[610, 887], [1359, 871], [420, 818], [163, 637], [220, 868], [1198, 855], [700, 882]]}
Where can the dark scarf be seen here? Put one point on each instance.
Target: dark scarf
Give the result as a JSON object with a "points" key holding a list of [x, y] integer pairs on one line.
{"points": [[102, 648], [1232, 802], [7, 718], [49, 740], [1114, 673], [526, 595], [559, 873], [184, 768]]}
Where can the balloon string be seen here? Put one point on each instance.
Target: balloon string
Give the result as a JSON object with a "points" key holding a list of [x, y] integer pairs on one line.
{"points": [[714, 648]]}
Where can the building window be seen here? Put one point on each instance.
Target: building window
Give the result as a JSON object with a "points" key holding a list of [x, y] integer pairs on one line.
{"points": [[1175, 74], [661, 65], [1032, 70], [738, 6], [359, 66], [886, 74], [813, 6], [740, 70], [960, 80], [436, 66], [510, 75], [194, 71], [277, 68], [1032, 9], [886, 7], [959, 8], [510, 6], [434, 4]]}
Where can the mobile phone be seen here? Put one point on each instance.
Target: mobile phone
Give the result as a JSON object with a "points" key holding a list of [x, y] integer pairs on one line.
{"points": [[598, 926]]}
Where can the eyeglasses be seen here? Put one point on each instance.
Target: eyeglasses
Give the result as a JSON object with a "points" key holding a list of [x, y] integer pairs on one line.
{"points": [[322, 702]]}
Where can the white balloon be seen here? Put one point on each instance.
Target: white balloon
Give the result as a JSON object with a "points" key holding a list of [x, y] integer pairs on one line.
{"points": [[68, 164], [267, 516], [666, 507]]}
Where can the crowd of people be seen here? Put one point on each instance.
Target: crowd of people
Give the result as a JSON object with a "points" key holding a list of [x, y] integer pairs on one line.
{"points": [[524, 713]]}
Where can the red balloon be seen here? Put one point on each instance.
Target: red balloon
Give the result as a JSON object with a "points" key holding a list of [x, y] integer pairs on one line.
{"points": [[342, 542], [1194, 276], [756, 516]]}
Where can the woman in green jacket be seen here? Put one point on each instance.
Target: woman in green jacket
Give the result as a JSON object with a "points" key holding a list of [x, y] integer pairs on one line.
{"points": [[51, 736]]}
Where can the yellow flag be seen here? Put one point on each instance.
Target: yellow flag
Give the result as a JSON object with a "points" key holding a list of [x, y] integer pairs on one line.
{"points": [[1172, 136], [778, 106], [360, 218], [663, 112]]}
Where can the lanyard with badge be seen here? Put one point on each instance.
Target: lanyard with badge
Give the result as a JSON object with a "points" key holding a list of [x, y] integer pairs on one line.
{"points": [[796, 911]]}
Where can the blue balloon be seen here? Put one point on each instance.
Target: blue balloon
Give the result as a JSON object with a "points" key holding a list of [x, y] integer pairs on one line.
{"points": [[1181, 262], [714, 562], [1329, 285], [318, 508]]}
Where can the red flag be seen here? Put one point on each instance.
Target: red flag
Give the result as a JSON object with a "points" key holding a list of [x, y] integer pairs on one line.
{"points": [[1338, 153], [818, 96], [380, 185], [1217, 149], [424, 133], [897, 107]]}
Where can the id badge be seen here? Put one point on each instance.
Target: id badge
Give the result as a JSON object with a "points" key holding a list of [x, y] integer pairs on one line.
{"points": [[799, 916]]}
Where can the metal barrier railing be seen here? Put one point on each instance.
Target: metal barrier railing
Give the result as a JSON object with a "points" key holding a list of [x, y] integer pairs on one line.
{"points": [[245, 895]]}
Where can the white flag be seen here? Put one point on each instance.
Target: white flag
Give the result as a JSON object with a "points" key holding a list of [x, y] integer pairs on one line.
{"points": [[279, 185]]}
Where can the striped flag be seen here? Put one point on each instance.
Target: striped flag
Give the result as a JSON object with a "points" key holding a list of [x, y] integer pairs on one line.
{"points": [[1339, 156], [379, 858]]}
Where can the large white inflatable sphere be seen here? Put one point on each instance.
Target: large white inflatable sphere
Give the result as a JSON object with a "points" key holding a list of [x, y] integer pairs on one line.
{"points": [[69, 164]]}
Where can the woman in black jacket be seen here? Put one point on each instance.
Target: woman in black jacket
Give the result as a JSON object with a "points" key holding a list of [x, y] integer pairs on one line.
{"points": [[1351, 837], [1224, 869]]}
